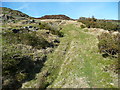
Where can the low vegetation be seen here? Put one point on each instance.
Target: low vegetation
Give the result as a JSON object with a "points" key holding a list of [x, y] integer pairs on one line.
{"points": [[52, 27], [58, 54], [27, 39], [109, 44], [109, 47], [96, 23], [77, 63], [62, 17], [25, 51], [20, 64]]}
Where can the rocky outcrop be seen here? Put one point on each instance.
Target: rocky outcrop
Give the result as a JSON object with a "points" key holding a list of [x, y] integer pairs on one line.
{"points": [[9, 15]]}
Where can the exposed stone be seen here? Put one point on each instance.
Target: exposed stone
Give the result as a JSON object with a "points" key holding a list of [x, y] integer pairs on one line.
{"points": [[32, 21], [47, 32], [15, 30], [12, 15], [30, 26], [25, 27], [56, 41]]}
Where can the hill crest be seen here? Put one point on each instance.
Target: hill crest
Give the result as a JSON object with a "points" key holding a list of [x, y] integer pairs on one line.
{"points": [[63, 17]]}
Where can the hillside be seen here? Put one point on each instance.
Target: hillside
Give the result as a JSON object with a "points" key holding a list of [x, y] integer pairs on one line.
{"points": [[111, 25], [57, 53], [9, 15], [62, 17], [76, 63]]}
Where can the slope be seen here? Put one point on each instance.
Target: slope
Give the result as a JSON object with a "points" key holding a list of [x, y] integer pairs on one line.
{"points": [[76, 63], [9, 15]]}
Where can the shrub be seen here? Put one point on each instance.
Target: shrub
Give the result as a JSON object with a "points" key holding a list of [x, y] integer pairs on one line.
{"points": [[108, 44], [19, 65], [35, 41], [82, 26], [26, 38], [104, 24], [42, 26], [53, 28], [10, 59]]}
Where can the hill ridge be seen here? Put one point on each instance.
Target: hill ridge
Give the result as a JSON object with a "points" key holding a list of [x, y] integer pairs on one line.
{"points": [[59, 16]]}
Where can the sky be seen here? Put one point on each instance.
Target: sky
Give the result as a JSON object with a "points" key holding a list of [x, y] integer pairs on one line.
{"points": [[100, 10]]}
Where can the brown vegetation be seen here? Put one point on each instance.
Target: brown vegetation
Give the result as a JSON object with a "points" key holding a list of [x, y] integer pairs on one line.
{"points": [[63, 17], [99, 23]]}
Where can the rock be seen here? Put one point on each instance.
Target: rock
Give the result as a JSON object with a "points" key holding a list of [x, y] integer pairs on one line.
{"points": [[33, 30], [25, 27], [15, 30], [56, 41], [36, 29], [32, 21], [47, 32], [39, 23], [30, 26]]}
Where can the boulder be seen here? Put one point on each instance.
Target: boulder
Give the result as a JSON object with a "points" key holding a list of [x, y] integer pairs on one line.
{"points": [[36, 29], [15, 30], [39, 23], [25, 27], [47, 32], [30, 26]]}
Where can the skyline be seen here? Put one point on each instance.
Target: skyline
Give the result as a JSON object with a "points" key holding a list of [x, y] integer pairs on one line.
{"points": [[100, 10]]}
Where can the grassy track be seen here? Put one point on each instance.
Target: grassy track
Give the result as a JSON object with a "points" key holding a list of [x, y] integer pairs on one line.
{"points": [[76, 62]]}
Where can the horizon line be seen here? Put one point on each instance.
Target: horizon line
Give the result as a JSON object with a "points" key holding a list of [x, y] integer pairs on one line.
{"points": [[59, 14]]}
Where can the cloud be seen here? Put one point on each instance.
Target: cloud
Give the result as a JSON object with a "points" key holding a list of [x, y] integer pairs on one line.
{"points": [[22, 7]]}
